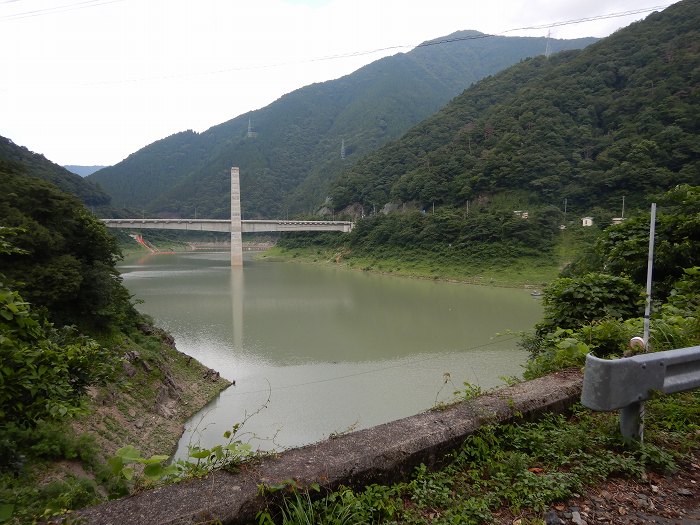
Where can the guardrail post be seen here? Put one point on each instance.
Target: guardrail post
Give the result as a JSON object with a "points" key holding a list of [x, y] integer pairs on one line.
{"points": [[632, 421], [612, 384]]}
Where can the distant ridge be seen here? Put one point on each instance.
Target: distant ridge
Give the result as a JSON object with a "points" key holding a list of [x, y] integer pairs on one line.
{"points": [[618, 118], [38, 166], [292, 150]]}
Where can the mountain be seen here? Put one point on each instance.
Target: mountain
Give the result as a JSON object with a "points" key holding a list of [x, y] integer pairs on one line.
{"points": [[38, 166], [289, 151], [83, 171], [618, 118]]}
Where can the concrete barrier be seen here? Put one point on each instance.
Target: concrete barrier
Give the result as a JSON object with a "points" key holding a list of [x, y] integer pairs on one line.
{"points": [[381, 454]]}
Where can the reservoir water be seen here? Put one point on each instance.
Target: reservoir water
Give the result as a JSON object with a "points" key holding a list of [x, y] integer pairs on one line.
{"points": [[321, 350]]}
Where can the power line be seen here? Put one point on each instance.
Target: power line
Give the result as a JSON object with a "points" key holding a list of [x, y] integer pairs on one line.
{"points": [[354, 54], [57, 9], [374, 370], [95, 3], [593, 18]]}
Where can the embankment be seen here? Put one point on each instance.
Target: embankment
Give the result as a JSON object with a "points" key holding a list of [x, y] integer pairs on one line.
{"points": [[385, 453]]}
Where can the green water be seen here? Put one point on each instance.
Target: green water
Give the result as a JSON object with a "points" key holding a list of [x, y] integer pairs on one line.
{"points": [[331, 349]]}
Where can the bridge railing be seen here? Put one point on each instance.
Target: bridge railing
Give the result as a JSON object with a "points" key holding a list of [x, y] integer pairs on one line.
{"points": [[258, 225]]}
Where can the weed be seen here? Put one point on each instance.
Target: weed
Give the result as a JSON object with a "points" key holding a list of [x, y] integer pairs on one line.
{"points": [[528, 465], [470, 391]]}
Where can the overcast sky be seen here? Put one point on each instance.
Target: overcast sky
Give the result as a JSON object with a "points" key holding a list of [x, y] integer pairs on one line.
{"points": [[91, 81]]}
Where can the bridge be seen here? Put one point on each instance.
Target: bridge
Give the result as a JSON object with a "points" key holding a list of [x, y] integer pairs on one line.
{"points": [[235, 226]]}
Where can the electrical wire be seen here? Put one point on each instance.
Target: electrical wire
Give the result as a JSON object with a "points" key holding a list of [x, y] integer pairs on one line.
{"points": [[57, 9], [373, 371], [367, 52]]}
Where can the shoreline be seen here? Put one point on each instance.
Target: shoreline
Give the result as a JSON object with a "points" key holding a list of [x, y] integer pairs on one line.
{"points": [[308, 256], [326, 259]]}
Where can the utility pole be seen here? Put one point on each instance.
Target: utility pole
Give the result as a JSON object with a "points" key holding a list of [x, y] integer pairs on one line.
{"points": [[623, 207]]}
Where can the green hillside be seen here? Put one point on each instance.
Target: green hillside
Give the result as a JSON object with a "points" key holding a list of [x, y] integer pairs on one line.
{"points": [[295, 150], [618, 118], [36, 165], [486, 185]]}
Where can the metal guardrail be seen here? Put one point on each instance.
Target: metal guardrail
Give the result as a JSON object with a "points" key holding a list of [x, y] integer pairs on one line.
{"points": [[611, 384]]}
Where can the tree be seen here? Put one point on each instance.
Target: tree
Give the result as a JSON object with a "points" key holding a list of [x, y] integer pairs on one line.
{"points": [[572, 302], [66, 258]]}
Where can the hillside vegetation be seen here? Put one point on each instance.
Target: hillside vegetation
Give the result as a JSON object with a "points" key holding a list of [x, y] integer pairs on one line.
{"points": [[579, 132], [618, 118], [80, 370], [40, 167], [295, 147]]}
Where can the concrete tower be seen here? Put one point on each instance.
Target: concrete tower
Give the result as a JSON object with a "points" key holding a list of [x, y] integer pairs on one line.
{"points": [[236, 238]]}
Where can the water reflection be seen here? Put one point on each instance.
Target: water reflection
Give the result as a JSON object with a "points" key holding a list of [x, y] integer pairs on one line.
{"points": [[332, 349]]}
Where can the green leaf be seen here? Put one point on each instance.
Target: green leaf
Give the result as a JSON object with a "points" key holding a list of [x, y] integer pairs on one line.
{"points": [[200, 454], [154, 471], [129, 454], [116, 464], [6, 510], [153, 460]]}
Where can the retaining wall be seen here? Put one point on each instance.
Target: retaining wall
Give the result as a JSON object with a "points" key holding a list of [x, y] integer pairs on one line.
{"points": [[380, 454]]}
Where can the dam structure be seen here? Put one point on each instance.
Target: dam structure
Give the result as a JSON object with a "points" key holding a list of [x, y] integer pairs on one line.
{"points": [[235, 226]]}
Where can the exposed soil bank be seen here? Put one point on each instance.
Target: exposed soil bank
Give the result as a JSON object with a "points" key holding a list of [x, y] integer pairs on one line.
{"points": [[381, 454], [160, 390]]}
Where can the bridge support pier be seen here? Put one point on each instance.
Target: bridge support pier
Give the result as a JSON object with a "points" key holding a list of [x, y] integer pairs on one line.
{"points": [[236, 226]]}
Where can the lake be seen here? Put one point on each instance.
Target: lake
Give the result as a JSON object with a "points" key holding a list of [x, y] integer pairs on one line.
{"points": [[316, 351]]}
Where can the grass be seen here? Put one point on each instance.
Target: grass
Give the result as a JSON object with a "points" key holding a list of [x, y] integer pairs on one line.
{"points": [[517, 272], [512, 468]]}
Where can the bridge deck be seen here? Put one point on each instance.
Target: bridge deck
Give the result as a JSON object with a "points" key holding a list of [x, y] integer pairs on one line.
{"points": [[224, 225]]}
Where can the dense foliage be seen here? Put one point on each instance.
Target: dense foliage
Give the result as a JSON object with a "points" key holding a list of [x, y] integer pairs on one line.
{"points": [[44, 371], [615, 119], [67, 258], [487, 234], [623, 249], [575, 302], [295, 150], [38, 166], [599, 311]]}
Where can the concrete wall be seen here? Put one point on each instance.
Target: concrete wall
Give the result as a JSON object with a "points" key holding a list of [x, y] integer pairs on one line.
{"points": [[380, 454]]}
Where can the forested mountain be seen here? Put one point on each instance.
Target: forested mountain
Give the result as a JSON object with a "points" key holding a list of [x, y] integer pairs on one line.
{"points": [[36, 165], [289, 151], [619, 118]]}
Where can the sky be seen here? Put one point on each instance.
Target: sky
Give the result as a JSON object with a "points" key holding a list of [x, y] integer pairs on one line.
{"points": [[89, 82]]}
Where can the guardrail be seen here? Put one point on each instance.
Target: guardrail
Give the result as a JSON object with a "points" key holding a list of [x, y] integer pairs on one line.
{"points": [[611, 384]]}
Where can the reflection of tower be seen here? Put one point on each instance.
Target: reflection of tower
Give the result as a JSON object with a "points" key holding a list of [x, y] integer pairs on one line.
{"points": [[251, 134], [342, 149], [236, 226], [237, 308]]}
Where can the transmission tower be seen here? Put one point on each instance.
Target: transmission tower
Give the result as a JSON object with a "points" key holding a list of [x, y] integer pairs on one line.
{"points": [[251, 134]]}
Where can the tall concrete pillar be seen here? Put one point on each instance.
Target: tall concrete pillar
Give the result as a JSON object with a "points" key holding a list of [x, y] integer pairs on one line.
{"points": [[236, 239]]}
